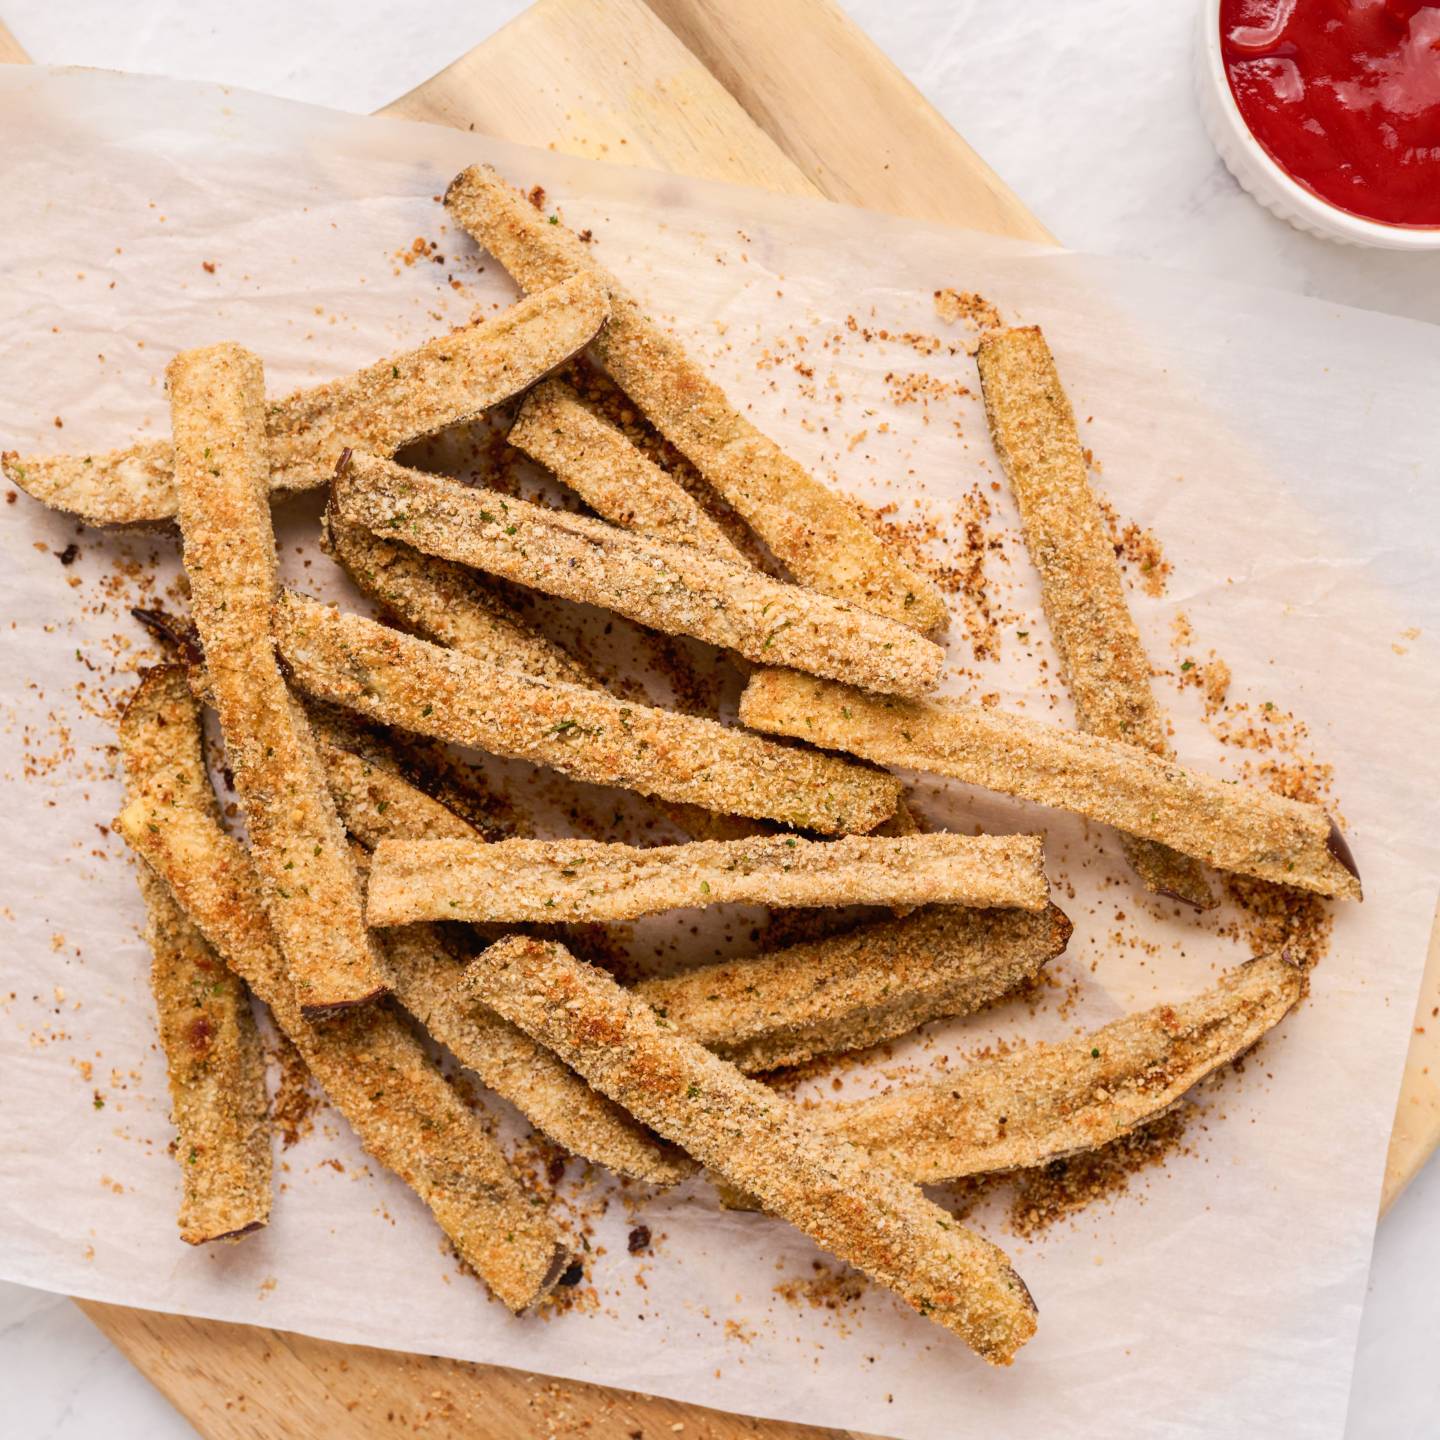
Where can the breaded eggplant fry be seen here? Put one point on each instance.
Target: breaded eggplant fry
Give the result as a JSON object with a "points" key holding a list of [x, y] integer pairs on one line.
{"points": [[402, 681], [680, 589], [818, 534], [760, 1142], [1233, 827], [311, 891], [613, 477], [374, 801], [849, 991], [449, 380], [213, 1055], [591, 880], [1049, 1101], [368, 1061], [448, 604], [1101, 657], [550, 1095]]}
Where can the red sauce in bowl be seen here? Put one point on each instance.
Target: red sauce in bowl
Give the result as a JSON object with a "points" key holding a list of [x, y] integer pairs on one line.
{"points": [[1345, 97]]}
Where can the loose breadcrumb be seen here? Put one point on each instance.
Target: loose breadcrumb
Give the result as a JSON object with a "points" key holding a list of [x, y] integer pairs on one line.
{"points": [[591, 880], [1232, 827], [737, 1127]]}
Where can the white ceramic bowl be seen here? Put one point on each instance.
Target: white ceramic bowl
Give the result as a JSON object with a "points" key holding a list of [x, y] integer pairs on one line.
{"points": [[1252, 166]]}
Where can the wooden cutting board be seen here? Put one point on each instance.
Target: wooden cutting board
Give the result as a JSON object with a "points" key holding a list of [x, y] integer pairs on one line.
{"points": [[791, 97]]}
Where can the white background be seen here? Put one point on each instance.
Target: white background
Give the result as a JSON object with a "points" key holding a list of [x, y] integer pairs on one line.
{"points": [[1086, 110]]}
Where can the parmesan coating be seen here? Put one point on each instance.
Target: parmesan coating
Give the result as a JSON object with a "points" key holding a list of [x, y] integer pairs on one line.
{"points": [[849, 991], [591, 880], [1049, 1101], [550, 1095], [368, 1061], [311, 892], [213, 1056], [834, 1193], [612, 476], [681, 589], [447, 604], [1230, 826], [402, 681], [449, 380], [1100, 653], [817, 534]]}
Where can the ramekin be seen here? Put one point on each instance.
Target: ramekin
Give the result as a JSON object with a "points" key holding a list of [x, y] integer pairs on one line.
{"points": [[1250, 163]]}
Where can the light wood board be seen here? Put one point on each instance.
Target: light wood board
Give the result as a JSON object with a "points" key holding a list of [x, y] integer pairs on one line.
{"points": [[791, 97]]}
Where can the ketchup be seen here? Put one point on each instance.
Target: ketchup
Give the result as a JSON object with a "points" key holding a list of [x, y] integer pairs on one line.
{"points": [[1345, 96]]}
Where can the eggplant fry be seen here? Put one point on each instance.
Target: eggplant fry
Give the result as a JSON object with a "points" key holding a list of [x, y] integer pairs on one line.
{"points": [[760, 1142], [556, 428], [213, 1055], [816, 533], [590, 880], [680, 589], [848, 991], [401, 681], [368, 1061], [1049, 1101], [550, 1095], [1101, 657], [1233, 827], [449, 380], [311, 891], [446, 604]]}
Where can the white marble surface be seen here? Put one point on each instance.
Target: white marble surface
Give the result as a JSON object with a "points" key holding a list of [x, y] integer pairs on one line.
{"points": [[1087, 112]]}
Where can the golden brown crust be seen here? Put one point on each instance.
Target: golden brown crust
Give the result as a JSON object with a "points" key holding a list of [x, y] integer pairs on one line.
{"points": [[1101, 657], [406, 682], [816, 533], [448, 604], [1050, 1101], [612, 476], [592, 880], [311, 892], [213, 1056], [1233, 827], [368, 1061], [546, 1091], [448, 380], [681, 589], [755, 1139], [848, 991]]}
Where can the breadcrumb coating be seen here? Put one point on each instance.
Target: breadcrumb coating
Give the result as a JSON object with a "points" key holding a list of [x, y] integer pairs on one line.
{"points": [[1049, 1101], [310, 888], [612, 476], [213, 1055], [448, 604], [681, 589], [1100, 653], [368, 1061], [593, 880], [1230, 826], [447, 381], [818, 534], [402, 681], [754, 1139], [785, 1007]]}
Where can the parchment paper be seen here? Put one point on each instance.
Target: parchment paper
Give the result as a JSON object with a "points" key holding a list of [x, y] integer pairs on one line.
{"points": [[1285, 450]]}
